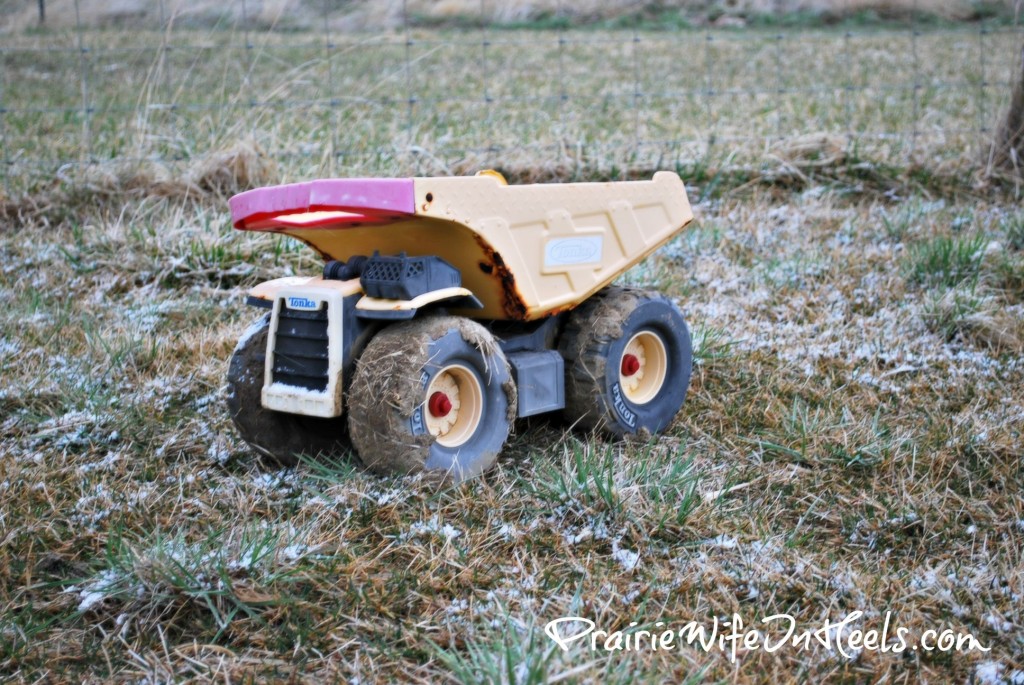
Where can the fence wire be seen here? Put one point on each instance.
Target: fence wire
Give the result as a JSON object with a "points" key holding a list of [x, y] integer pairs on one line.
{"points": [[325, 101]]}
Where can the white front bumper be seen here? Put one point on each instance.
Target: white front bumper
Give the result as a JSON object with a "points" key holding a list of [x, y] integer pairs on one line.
{"points": [[293, 399]]}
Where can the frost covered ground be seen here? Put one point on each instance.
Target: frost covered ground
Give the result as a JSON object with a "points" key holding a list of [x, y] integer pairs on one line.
{"points": [[852, 442]]}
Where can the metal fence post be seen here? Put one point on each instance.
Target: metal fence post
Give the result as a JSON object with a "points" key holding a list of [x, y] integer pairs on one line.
{"points": [[917, 83], [332, 98], [85, 145], [5, 157], [410, 97]]}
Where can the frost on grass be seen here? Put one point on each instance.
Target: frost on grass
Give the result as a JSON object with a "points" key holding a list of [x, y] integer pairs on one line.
{"points": [[97, 589], [995, 673], [94, 507], [432, 527], [892, 481], [169, 570], [105, 464], [9, 347], [627, 558], [722, 541], [72, 429], [997, 623], [806, 305]]}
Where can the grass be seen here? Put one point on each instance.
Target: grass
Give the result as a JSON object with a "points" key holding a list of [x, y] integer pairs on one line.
{"points": [[379, 15], [851, 440], [1013, 225], [947, 260], [601, 482], [517, 654], [839, 448], [725, 106], [952, 313]]}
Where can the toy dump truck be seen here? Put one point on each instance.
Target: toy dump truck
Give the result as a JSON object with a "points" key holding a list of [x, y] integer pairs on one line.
{"points": [[447, 308]]}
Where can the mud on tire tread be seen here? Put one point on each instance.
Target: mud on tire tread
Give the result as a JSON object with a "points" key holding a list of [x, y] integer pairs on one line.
{"points": [[278, 437], [598, 330], [388, 389]]}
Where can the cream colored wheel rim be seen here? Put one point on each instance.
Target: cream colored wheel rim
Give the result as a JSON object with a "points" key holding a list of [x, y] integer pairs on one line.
{"points": [[465, 401], [643, 367]]}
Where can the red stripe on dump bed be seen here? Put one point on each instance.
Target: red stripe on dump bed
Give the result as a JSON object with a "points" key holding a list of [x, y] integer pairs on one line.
{"points": [[369, 197]]}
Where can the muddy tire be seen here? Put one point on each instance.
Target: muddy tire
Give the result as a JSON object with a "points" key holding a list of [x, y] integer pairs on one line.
{"points": [[278, 437], [433, 394], [628, 362]]}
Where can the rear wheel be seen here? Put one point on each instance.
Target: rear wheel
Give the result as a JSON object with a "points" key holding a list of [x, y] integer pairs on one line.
{"points": [[432, 394], [278, 436], [628, 362]]}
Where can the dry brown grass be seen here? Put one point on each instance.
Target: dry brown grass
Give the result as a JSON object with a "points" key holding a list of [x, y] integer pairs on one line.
{"points": [[836, 454]]}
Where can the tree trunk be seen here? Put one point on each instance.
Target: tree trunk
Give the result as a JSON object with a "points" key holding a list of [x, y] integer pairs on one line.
{"points": [[42, 12], [1008, 145]]}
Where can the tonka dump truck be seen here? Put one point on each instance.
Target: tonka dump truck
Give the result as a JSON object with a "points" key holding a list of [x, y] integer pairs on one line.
{"points": [[447, 308]]}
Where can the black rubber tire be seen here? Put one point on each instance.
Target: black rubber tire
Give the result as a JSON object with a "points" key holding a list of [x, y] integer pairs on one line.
{"points": [[387, 399], [278, 436], [598, 331]]}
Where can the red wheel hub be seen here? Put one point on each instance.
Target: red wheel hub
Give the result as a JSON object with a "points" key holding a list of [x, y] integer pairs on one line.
{"points": [[439, 405], [630, 364]]}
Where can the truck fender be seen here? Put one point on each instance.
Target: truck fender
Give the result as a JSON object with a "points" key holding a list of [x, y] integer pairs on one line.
{"points": [[396, 310]]}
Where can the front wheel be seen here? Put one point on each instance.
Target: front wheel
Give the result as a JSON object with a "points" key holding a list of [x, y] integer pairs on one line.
{"points": [[277, 436], [432, 394], [628, 362]]}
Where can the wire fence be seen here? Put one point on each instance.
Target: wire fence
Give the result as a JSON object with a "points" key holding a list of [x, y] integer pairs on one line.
{"points": [[569, 99]]}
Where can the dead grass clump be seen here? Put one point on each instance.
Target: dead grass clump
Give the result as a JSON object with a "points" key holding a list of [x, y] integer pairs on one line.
{"points": [[974, 316], [237, 167], [812, 150], [999, 331], [23, 210], [93, 187], [119, 181]]}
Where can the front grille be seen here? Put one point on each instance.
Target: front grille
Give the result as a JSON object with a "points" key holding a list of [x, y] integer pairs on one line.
{"points": [[413, 268], [404, 278], [384, 270], [300, 348]]}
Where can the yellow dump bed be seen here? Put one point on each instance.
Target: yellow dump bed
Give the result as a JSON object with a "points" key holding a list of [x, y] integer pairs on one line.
{"points": [[525, 251]]}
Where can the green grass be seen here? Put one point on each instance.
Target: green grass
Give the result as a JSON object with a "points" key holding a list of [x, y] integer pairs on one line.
{"points": [[615, 486], [515, 654], [1013, 226], [711, 345], [947, 260]]}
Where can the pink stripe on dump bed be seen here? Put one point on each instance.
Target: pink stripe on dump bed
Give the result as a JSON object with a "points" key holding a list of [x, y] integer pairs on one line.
{"points": [[366, 197]]}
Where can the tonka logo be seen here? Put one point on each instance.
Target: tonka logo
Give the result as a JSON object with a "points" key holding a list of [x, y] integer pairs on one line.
{"points": [[302, 303], [416, 422], [570, 251], [620, 407]]}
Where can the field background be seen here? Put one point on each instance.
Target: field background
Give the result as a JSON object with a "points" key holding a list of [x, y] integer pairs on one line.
{"points": [[142, 89], [854, 282]]}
